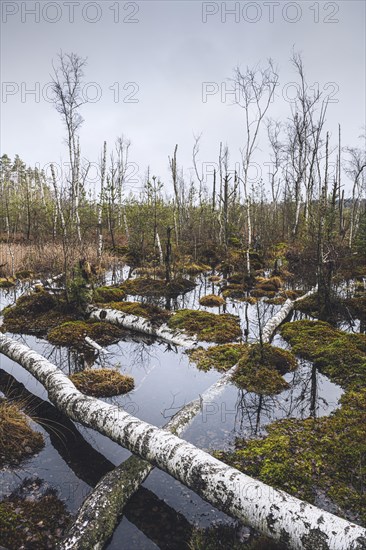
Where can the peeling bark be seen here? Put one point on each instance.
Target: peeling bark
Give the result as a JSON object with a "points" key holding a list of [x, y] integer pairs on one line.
{"points": [[271, 512]]}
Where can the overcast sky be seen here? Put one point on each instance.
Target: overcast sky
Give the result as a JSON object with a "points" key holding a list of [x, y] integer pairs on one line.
{"points": [[151, 62]]}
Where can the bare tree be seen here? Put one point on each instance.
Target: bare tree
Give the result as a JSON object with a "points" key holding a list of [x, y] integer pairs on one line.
{"points": [[255, 91], [355, 169], [68, 98]]}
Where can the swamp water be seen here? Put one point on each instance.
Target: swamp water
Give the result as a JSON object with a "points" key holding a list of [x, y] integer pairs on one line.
{"points": [[163, 512]]}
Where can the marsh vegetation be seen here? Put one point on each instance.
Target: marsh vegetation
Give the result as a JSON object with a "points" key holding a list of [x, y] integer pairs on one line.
{"points": [[214, 261]]}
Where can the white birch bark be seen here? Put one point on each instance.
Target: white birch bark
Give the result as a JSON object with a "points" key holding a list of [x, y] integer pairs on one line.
{"points": [[139, 324], [158, 242], [272, 325], [269, 511], [101, 510]]}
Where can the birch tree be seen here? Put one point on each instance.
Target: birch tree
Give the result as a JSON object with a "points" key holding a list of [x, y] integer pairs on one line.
{"points": [[255, 90], [68, 98]]}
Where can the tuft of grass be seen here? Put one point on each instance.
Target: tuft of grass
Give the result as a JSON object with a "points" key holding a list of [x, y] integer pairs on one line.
{"points": [[17, 439], [207, 326], [102, 382], [106, 294], [211, 300], [73, 333]]}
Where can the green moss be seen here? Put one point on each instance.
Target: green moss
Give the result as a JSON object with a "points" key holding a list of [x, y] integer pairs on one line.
{"points": [[305, 456], [325, 455], [146, 286], [192, 267], [234, 291], [148, 311], [73, 333], [340, 355], [260, 369], [211, 300], [266, 287], [357, 306], [207, 326], [24, 274], [33, 523], [218, 357], [102, 382], [36, 313], [6, 282], [108, 294], [17, 439]]}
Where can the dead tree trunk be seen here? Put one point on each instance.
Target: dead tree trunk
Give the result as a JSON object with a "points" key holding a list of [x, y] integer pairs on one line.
{"points": [[273, 513]]}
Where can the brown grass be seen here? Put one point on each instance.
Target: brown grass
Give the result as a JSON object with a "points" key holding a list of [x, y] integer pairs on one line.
{"points": [[102, 382], [45, 259], [17, 439]]}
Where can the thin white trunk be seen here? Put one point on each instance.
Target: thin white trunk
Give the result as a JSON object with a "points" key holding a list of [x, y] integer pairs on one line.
{"points": [[161, 256], [271, 512]]}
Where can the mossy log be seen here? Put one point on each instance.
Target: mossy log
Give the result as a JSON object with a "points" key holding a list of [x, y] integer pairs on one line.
{"points": [[140, 324], [273, 513]]}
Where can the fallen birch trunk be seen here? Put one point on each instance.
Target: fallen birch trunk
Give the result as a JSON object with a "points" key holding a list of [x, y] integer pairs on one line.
{"points": [[272, 325], [271, 512], [101, 510], [97, 519], [140, 324]]}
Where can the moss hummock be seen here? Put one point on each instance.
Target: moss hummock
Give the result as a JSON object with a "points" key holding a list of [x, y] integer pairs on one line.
{"points": [[306, 457], [24, 274], [260, 369], [211, 300], [266, 287], [146, 286], [221, 357], [6, 282], [106, 294], [207, 326], [36, 313], [339, 355], [17, 439], [193, 268], [325, 457], [102, 382], [73, 333], [220, 537]]}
